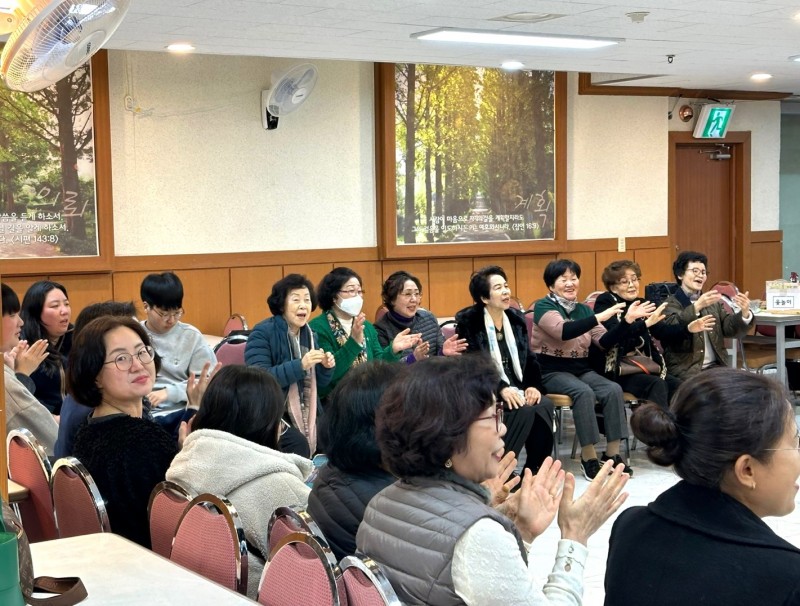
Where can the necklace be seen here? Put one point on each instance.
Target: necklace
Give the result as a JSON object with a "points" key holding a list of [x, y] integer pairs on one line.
{"points": [[499, 333]]}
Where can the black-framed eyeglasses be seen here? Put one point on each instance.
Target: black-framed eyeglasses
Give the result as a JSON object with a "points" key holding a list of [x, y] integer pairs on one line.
{"points": [[169, 315], [124, 361], [497, 416], [698, 272]]}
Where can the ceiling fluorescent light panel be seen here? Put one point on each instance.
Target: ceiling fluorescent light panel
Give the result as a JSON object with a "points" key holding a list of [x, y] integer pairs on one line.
{"points": [[467, 36]]}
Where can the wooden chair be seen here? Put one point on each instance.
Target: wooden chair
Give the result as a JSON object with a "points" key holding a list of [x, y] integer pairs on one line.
{"points": [[79, 508], [29, 466], [365, 584], [301, 570], [210, 541], [168, 502]]}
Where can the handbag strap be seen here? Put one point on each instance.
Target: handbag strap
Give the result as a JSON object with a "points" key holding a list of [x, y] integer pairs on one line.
{"points": [[639, 364], [70, 591]]}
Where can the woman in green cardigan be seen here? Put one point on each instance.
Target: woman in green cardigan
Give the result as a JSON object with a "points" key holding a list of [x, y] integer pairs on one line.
{"points": [[343, 329]]}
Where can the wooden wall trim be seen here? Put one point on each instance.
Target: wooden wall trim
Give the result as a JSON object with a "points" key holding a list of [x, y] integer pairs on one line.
{"points": [[775, 235], [587, 87], [610, 244]]}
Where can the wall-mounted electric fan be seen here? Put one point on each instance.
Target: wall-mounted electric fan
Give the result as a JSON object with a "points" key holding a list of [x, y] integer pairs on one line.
{"points": [[289, 90]]}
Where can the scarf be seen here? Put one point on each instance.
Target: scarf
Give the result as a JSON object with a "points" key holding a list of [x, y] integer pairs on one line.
{"points": [[302, 408], [341, 337], [693, 295], [569, 306], [494, 348]]}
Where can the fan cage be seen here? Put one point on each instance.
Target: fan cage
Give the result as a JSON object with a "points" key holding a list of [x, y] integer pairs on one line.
{"points": [[281, 100]]}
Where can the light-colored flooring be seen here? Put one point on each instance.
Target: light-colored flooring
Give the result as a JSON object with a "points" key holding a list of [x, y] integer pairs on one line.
{"points": [[648, 482]]}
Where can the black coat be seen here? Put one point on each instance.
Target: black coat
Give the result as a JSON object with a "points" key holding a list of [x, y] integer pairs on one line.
{"points": [[698, 546], [337, 503], [471, 326]]}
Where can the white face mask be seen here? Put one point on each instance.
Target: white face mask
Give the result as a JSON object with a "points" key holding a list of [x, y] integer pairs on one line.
{"points": [[351, 306]]}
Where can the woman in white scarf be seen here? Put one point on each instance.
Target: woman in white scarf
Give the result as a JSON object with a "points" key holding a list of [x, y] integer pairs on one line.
{"points": [[492, 325]]}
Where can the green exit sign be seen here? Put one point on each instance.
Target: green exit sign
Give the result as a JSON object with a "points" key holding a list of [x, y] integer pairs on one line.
{"points": [[713, 121]]}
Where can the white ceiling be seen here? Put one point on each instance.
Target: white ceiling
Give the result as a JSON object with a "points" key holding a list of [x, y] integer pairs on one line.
{"points": [[716, 43]]}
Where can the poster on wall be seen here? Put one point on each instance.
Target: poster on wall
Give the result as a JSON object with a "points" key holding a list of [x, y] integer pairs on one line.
{"points": [[474, 154], [48, 205]]}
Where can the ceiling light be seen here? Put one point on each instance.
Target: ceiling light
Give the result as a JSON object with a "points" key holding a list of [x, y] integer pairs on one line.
{"points": [[181, 47], [512, 65], [446, 34], [761, 77], [526, 17], [795, 58]]}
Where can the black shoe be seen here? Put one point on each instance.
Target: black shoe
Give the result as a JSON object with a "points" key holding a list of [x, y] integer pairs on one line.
{"points": [[617, 460], [590, 468]]}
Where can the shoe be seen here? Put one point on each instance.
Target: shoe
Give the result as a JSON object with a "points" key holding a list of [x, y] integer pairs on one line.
{"points": [[617, 460], [590, 468]]}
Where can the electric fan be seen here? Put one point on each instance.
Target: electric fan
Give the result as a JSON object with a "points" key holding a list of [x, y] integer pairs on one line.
{"points": [[55, 37], [289, 90]]}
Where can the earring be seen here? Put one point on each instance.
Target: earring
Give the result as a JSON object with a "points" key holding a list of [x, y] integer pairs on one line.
{"points": [[448, 463], [753, 486]]}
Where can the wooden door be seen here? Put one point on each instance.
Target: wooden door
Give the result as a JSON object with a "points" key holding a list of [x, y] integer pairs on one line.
{"points": [[705, 206]]}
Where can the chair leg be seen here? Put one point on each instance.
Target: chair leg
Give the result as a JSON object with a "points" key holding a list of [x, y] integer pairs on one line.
{"points": [[574, 445]]}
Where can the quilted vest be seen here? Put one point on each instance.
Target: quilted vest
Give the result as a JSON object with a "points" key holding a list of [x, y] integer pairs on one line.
{"points": [[411, 529]]}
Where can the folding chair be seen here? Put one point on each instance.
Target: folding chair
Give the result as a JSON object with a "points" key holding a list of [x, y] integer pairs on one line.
{"points": [[79, 508], [286, 520], [235, 322], [168, 502], [448, 329], [365, 584], [301, 570], [29, 466], [210, 541]]}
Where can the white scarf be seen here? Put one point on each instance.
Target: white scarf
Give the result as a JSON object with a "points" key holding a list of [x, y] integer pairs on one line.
{"points": [[494, 348]]}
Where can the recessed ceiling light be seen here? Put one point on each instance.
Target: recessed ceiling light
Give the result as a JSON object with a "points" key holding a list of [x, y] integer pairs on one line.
{"points": [[512, 65], [182, 47], [795, 58], [761, 77], [445, 34], [526, 17]]}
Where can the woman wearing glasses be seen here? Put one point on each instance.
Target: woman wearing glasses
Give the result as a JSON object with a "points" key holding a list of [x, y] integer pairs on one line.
{"points": [[732, 438], [232, 451], [434, 532], [111, 369], [402, 297], [686, 357], [343, 330], [645, 381], [181, 346]]}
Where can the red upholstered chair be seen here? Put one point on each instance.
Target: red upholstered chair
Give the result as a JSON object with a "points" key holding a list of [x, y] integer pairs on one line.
{"points": [[167, 503], [231, 353], [592, 298], [210, 541], [78, 505], [380, 312], [365, 584], [301, 570], [28, 466], [235, 322], [448, 329], [286, 520]]}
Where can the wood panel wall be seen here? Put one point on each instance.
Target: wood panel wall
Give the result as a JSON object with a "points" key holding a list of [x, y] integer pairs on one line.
{"points": [[215, 287]]}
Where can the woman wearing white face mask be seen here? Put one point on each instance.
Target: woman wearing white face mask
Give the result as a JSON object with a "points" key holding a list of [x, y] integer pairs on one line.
{"points": [[343, 329]]}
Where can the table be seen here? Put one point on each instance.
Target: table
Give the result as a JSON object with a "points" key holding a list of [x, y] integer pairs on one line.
{"points": [[16, 492], [779, 321], [116, 571]]}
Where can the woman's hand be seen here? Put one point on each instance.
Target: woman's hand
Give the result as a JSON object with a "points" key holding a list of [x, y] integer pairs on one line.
{"points": [[579, 519], [500, 486], [706, 299], [638, 310], [702, 324], [313, 357], [532, 396], [28, 358], [158, 396], [195, 388], [357, 331], [453, 346], [656, 316], [328, 361], [743, 301], [405, 340], [609, 313], [422, 350], [512, 397], [537, 501], [184, 430]]}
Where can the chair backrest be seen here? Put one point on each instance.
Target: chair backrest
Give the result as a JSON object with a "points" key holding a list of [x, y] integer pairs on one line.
{"points": [[167, 503], [231, 353], [301, 570], [235, 322], [515, 303], [380, 312], [448, 329], [286, 520], [210, 541], [78, 505], [593, 297], [365, 584], [29, 466]]}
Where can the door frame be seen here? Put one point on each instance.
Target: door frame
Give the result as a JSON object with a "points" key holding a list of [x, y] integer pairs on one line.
{"points": [[740, 191]]}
